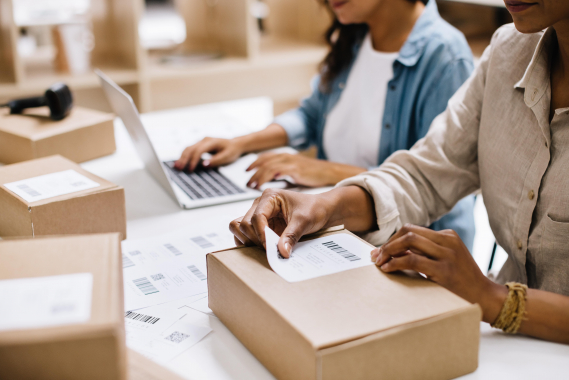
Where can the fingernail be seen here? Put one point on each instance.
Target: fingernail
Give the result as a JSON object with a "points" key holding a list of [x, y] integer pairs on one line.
{"points": [[253, 185], [379, 258], [384, 266], [205, 163], [375, 253], [288, 249]]}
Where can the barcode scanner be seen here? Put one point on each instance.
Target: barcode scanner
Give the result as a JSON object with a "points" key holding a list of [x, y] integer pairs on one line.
{"points": [[58, 98]]}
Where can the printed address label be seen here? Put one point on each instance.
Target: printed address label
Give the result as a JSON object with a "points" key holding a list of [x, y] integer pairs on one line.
{"points": [[45, 301], [51, 185]]}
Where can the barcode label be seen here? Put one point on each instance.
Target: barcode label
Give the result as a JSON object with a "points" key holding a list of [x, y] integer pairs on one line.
{"points": [[141, 317], [172, 249], [134, 253], [157, 276], [145, 286], [202, 242], [31, 192], [341, 251], [196, 272], [126, 262], [177, 337]]}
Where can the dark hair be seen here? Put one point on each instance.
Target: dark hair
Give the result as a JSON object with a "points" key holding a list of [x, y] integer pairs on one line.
{"points": [[341, 40]]}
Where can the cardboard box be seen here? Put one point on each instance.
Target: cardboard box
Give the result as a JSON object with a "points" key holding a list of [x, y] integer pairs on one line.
{"points": [[83, 135], [93, 349], [96, 210], [357, 324], [142, 368]]}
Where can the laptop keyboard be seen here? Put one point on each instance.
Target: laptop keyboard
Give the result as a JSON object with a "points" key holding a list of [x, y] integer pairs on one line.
{"points": [[202, 183]]}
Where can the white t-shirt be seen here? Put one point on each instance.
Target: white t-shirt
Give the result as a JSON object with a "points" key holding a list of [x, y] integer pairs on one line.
{"points": [[353, 128]]}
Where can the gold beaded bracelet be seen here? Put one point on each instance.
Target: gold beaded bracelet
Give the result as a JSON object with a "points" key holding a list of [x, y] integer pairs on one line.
{"points": [[513, 311]]}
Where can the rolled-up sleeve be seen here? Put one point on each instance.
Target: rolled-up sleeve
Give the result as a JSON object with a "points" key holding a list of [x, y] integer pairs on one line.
{"points": [[420, 185], [301, 123]]}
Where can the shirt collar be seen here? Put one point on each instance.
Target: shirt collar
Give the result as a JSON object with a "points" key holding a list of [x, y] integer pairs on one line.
{"points": [[415, 44], [536, 78]]}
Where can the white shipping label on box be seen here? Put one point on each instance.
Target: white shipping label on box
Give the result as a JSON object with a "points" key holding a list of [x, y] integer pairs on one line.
{"points": [[45, 301], [318, 257], [51, 185]]}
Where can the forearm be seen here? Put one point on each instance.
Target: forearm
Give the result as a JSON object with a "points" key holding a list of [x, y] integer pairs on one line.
{"points": [[339, 172], [547, 316], [272, 136], [351, 206]]}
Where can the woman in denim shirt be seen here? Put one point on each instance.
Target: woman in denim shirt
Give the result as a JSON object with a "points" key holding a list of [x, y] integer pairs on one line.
{"points": [[428, 60]]}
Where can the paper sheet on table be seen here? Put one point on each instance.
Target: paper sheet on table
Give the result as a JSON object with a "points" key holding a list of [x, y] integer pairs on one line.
{"points": [[160, 332], [318, 257], [202, 305], [171, 266]]}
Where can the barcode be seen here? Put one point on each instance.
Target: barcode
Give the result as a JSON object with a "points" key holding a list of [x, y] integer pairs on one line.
{"points": [[141, 317], [157, 276], [202, 242], [29, 190], [341, 251], [177, 337], [134, 253], [77, 184], [196, 272], [126, 262], [145, 286], [172, 249]]}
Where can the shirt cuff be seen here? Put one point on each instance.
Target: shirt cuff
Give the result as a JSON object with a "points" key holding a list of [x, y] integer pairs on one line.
{"points": [[294, 126], [388, 217]]}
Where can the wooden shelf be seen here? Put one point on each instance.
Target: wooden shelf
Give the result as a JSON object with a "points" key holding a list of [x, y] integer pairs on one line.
{"points": [[38, 81]]}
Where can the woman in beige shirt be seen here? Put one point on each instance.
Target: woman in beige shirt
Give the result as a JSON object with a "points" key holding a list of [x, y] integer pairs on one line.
{"points": [[505, 132]]}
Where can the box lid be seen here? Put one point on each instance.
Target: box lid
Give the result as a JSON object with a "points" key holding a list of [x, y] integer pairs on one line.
{"points": [[98, 254], [35, 123], [48, 165], [345, 306]]}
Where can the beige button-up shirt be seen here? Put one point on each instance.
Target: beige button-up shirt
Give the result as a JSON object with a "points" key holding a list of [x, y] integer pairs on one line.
{"points": [[495, 136]]}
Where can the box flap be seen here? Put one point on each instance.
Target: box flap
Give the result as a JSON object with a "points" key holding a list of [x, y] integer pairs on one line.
{"points": [[98, 254], [48, 165], [345, 306], [35, 123]]}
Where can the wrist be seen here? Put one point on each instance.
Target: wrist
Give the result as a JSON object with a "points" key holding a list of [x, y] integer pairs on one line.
{"points": [[242, 143], [341, 171], [492, 299]]}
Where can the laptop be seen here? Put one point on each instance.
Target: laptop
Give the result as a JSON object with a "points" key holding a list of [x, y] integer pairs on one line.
{"points": [[204, 186]]}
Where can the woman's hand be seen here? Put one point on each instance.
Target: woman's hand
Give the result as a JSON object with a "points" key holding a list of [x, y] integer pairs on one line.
{"points": [[224, 151], [305, 171], [444, 259], [291, 215]]}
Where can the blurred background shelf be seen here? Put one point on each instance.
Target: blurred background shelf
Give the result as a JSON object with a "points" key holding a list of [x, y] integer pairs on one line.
{"points": [[227, 49]]}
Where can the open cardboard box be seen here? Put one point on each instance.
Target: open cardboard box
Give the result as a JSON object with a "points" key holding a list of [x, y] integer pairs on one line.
{"points": [[83, 135], [92, 349], [356, 324], [95, 210]]}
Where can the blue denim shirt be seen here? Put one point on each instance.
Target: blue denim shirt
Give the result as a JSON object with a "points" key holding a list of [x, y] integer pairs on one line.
{"points": [[432, 64]]}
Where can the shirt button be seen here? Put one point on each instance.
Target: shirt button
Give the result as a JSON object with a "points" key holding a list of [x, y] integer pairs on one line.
{"points": [[341, 86], [520, 245], [392, 87], [387, 126], [531, 194]]}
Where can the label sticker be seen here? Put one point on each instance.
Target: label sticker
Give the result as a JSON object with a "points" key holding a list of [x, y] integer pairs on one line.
{"points": [[38, 302], [51, 185]]}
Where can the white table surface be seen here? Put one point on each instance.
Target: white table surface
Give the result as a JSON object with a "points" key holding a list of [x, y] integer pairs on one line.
{"points": [[150, 211]]}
